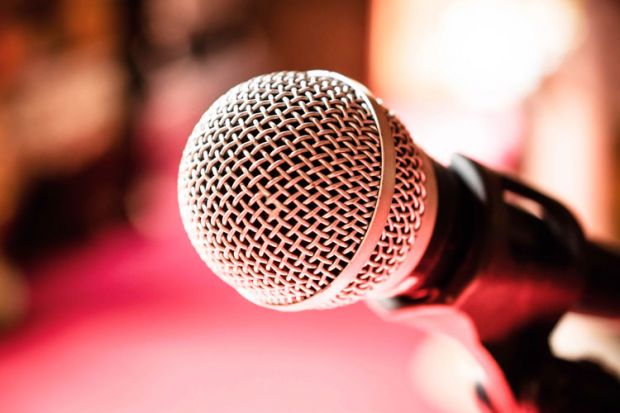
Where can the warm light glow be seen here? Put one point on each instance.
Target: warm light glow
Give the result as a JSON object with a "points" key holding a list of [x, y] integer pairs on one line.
{"points": [[492, 53], [442, 131], [483, 53]]}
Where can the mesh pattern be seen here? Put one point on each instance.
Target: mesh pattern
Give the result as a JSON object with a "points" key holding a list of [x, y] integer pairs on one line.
{"points": [[404, 219], [279, 182]]}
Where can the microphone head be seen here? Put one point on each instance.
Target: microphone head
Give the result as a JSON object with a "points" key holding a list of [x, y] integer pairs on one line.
{"points": [[300, 190]]}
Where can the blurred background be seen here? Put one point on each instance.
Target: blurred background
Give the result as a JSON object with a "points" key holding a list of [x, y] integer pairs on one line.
{"points": [[104, 306]]}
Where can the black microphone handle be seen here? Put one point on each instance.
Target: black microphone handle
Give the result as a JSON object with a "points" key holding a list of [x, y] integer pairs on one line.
{"points": [[601, 293], [508, 256]]}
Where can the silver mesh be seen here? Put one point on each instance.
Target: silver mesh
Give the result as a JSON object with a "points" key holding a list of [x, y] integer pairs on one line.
{"points": [[278, 184], [404, 219]]}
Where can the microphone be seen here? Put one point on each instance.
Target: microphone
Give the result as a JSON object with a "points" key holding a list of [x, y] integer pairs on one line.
{"points": [[302, 191]]}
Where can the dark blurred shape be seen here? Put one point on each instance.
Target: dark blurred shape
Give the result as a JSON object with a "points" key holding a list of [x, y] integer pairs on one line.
{"points": [[553, 385], [64, 106], [13, 296]]}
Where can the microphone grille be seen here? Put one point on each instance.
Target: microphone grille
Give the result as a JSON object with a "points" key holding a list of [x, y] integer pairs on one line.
{"points": [[279, 182], [404, 220]]}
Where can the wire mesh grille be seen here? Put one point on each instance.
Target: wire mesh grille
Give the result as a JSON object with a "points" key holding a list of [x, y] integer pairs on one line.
{"points": [[404, 219], [278, 184]]}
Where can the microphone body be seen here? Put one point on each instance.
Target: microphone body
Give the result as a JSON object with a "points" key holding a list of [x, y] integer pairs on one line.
{"points": [[501, 252], [302, 191]]}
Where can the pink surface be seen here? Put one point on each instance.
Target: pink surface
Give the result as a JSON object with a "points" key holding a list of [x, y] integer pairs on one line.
{"points": [[130, 324]]}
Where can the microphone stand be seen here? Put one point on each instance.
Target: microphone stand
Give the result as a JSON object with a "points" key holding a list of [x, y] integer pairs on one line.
{"points": [[514, 261], [549, 383]]}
